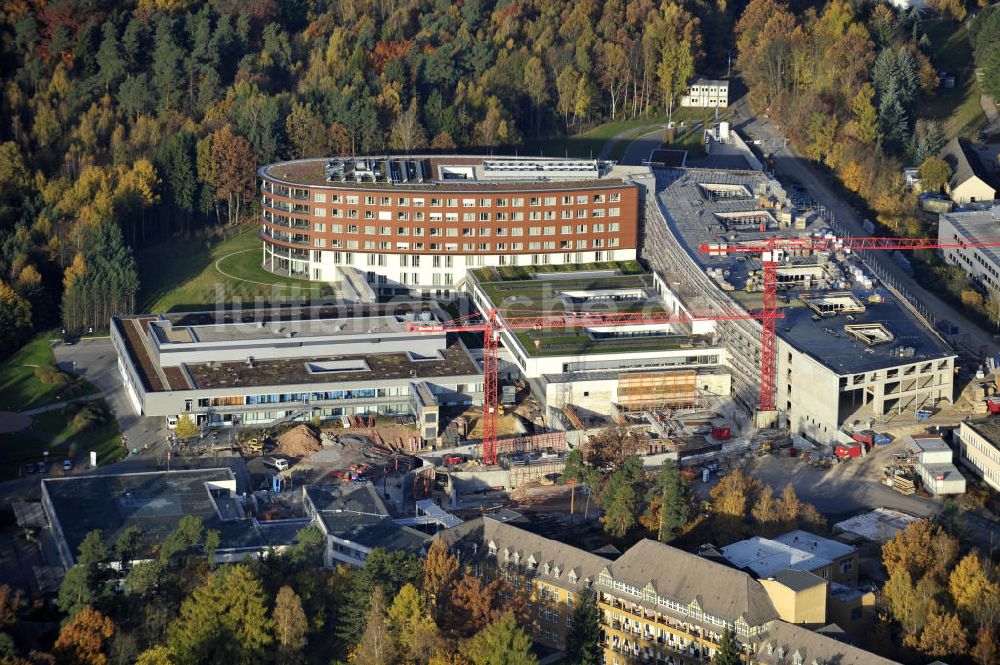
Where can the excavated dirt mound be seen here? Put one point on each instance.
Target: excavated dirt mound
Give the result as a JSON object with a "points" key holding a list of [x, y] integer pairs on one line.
{"points": [[300, 441]]}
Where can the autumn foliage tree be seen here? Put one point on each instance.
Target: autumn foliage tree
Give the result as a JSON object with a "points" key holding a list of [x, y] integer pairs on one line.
{"points": [[290, 624], [440, 571], [474, 603], [84, 640], [233, 165]]}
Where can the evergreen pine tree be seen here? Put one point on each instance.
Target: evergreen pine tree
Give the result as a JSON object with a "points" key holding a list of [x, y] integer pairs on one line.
{"points": [[728, 652], [675, 508], [583, 639]]}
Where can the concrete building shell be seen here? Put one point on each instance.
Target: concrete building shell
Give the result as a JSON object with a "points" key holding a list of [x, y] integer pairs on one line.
{"points": [[820, 380]]}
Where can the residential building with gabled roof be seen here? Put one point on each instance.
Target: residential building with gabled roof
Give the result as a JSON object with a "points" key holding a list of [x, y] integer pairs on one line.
{"points": [[658, 604], [970, 181]]}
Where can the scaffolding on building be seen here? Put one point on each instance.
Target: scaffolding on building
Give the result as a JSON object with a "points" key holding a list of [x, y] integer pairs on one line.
{"points": [[643, 391]]}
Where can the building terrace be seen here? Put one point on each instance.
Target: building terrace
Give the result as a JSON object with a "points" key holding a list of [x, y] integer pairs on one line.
{"points": [[454, 361], [462, 173], [604, 288]]}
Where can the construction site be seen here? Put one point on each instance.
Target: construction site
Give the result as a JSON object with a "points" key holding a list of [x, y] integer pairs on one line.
{"points": [[749, 331]]}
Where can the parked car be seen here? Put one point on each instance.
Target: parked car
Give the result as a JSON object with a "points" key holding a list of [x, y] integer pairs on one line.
{"points": [[29, 467], [67, 465], [43, 467]]}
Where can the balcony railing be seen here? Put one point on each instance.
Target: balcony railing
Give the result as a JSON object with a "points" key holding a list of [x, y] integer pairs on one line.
{"points": [[656, 618]]}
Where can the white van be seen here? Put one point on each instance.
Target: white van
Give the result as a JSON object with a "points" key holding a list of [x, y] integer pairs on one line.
{"points": [[278, 463]]}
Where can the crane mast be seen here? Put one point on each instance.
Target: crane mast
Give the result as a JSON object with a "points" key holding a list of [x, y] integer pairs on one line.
{"points": [[767, 248], [492, 323]]}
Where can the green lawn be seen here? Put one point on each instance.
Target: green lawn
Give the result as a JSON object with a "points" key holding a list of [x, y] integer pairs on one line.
{"points": [[958, 108], [181, 275], [585, 144], [53, 431], [590, 142], [21, 390], [693, 142], [104, 439]]}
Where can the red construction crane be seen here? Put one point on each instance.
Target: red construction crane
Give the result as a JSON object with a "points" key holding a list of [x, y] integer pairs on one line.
{"points": [[767, 249], [494, 322]]}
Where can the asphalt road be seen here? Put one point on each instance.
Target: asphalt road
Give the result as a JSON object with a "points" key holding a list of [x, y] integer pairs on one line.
{"points": [[848, 222], [95, 359], [641, 147]]}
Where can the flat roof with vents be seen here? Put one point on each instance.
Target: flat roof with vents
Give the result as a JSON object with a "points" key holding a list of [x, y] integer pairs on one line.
{"points": [[870, 333], [834, 302], [333, 366]]}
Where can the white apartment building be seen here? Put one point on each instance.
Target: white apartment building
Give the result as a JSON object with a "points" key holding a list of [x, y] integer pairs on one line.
{"points": [[981, 263], [707, 93], [979, 449]]}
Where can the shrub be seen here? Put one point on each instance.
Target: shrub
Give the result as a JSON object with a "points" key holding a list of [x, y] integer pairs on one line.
{"points": [[51, 376], [91, 415]]}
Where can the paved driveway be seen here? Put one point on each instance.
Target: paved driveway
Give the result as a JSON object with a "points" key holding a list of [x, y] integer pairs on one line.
{"points": [[640, 148], [95, 360]]}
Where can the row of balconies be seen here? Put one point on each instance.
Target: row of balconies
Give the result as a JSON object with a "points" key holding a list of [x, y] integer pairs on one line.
{"points": [[281, 190], [292, 223], [291, 239], [655, 617], [644, 654]]}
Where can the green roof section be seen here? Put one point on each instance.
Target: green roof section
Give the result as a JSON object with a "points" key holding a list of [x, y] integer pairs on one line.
{"points": [[617, 286]]}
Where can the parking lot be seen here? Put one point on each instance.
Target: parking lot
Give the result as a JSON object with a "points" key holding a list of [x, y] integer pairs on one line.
{"points": [[94, 359]]}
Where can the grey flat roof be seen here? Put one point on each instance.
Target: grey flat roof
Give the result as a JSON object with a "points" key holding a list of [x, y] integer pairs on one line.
{"points": [[977, 225], [798, 550], [354, 512], [155, 502], [880, 525], [798, 580], [230, 332], [988, 428], [845, 354]]}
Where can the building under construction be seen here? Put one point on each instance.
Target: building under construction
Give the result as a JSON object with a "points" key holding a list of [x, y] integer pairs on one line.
{"points": [[844, 351], [601, 369]]}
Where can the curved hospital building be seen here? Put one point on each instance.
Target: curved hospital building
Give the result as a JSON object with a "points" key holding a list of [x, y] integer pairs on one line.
{"points": [[415, 224]]}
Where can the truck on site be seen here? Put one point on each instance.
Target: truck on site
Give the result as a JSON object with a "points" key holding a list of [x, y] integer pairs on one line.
{"points": [[279, 463]]}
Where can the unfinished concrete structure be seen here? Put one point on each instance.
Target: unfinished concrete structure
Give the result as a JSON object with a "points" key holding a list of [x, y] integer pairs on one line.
{"points": [[844, 351], [601, 368]]}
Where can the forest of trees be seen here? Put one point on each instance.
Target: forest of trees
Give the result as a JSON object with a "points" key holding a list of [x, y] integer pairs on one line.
{"points": [[179, 608], [127, 123], [938, 602], [660, 505]]}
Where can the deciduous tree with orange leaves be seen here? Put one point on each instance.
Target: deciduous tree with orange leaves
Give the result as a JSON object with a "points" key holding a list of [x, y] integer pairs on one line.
{"points": [[82, 641]]}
